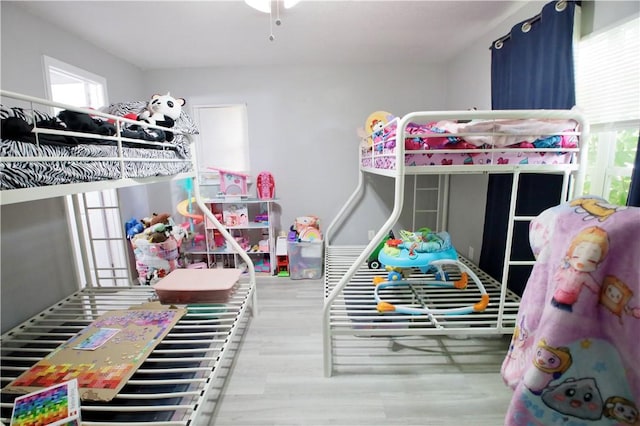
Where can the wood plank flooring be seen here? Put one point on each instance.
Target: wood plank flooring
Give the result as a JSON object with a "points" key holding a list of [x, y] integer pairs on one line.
{"points": [[277, 376]]}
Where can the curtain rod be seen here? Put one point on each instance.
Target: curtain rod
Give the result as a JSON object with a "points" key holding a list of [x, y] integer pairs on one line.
{"points": [[526, 25]]}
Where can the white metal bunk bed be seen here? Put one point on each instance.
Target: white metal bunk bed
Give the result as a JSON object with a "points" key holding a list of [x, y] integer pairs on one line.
{"points": [[349, 305], [173, 384]]}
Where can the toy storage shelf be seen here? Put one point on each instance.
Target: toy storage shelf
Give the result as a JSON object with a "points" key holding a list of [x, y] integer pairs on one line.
{"points": [[171, 386], [251, 220]]}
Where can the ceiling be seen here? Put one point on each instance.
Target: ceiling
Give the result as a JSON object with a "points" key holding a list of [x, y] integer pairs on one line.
{"points": [[178, 34]]}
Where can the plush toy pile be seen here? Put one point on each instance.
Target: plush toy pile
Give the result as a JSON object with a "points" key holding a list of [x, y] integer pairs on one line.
{"points": [[305, 228], [156, 245]]}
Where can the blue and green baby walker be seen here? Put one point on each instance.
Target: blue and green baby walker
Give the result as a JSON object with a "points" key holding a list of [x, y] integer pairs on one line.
{"points": [[429, 252]]}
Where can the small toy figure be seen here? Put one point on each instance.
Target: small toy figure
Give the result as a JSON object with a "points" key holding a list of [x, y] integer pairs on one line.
{"points": [[373, 262], [282, 258]]}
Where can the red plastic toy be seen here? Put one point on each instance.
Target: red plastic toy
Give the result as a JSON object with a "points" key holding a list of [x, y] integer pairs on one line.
{"points": [[265, 186]]}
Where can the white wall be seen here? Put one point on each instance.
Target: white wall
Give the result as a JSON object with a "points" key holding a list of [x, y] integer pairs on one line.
{"points": [[302, 126], [37, 266], [25, 38], [598, 15]]}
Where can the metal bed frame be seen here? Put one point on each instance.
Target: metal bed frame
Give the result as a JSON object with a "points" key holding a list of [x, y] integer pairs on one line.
{"points": [[172, 385], [175, 381], [349, 306]]}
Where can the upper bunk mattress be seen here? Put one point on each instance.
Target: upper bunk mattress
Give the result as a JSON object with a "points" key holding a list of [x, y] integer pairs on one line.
{"points": [[481, 142], [38, 149], [69, 168]]}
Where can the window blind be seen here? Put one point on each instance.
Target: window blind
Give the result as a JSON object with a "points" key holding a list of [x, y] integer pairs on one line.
{"points": [[608, 74]]}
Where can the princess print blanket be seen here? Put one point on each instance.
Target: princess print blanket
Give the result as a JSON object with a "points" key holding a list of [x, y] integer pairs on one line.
{"points": [[574, 358]]}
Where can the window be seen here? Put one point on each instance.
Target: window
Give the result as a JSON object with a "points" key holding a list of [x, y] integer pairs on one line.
{"points": [[223, 140], [74, 86], [611, 156], [608, 90], [101, 256]]}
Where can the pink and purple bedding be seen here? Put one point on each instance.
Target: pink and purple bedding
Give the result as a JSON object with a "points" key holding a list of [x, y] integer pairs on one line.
{"points": [[574, 357], [492, 142]]}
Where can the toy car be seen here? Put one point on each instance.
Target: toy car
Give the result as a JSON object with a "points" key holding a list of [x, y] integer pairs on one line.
{"points": [[373, 261]]}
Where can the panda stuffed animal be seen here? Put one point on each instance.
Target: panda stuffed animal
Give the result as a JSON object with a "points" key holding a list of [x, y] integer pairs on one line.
{"points": [[163, 110]]}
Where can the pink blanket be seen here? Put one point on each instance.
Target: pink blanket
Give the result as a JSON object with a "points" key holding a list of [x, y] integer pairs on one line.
{"points": [[574, 358]]}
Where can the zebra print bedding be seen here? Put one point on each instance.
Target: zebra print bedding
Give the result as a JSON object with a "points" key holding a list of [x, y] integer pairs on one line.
{"points": [[30, 174], [36, 150]]}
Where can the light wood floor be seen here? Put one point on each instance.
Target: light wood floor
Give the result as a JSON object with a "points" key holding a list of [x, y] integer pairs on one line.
{"points": [[277, 378]]}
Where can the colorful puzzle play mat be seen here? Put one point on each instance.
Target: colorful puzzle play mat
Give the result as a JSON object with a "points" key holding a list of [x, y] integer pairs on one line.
{"points": [[104, 355]]}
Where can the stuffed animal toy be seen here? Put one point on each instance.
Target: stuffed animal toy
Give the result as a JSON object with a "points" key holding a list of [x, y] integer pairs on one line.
{"points": [[155, 219], [133, 227], [159, 218], [163, 110]]}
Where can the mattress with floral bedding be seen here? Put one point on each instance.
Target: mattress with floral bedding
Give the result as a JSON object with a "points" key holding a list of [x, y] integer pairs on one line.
{"points": [[477, 142]]}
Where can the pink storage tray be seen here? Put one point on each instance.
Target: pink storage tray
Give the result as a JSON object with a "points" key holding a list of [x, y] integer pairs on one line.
{"points": [[197, 286]]}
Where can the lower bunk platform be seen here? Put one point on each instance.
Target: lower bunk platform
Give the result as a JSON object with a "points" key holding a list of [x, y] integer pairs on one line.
{"points": [[354, 317], [174, 382]]}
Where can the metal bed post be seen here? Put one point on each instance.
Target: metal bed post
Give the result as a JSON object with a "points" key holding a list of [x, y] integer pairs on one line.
{"points": [[415, 198], [225, 233], [229, 238], [399, 176], [81, 241], [335, 223], [507, 251], [443, 208]]}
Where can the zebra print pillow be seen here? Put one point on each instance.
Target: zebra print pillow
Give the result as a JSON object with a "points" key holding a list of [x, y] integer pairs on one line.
{"points": [[25, 114]]}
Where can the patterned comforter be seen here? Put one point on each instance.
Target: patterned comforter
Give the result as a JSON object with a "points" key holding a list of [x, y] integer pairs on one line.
{"points": [[574, 357], [23, 174]]}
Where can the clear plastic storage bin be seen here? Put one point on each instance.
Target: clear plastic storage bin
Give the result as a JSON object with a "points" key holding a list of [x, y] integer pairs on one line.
{"points": [[305, 260]]}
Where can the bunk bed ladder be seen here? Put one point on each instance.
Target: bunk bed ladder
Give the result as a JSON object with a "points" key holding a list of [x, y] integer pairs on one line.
{"points": [[508, 262], [432, 213], [504, 324], [100, 233]]}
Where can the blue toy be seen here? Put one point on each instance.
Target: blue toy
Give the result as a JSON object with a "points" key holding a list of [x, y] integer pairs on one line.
{"points": [[133, 227], [429, 252]]}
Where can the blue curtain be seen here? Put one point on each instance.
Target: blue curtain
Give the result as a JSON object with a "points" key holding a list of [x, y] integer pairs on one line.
{"points": [[531, 68], [633, 199]]}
